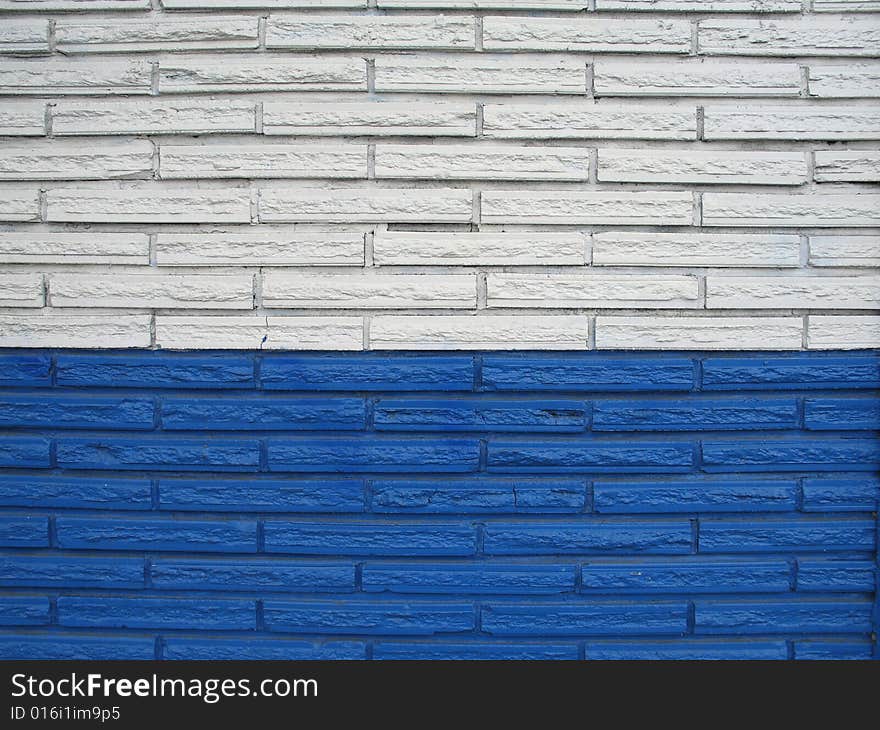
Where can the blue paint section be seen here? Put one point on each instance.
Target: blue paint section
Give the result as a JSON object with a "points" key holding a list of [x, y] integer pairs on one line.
{"points": [[592, 506]]}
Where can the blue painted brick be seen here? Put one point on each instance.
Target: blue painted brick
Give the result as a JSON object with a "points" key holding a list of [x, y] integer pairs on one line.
{"points": [[715, 495], [686, 577], [782, 617], [687, 650], [731, 414], [478, 496], [40, 490], [818, 535], [833, 650], [839, 576], [842, 414], [374, 455], [816, 454], [468, 578], [58, 411], [156, 370], [72, 646], [24, 610], [480, 415], [295, 495], [24, 531], [237, 414], [353, 617], [552, 538], [584, 619], [21, 452], [71, 572], [160, 454], [801, 372], [367, 372], [851, 494], [576, 373], [220, 649], [473, 651], [25, 370], [343, 538], [156, 613], [206, 536], [588, 456], [251, 575]]}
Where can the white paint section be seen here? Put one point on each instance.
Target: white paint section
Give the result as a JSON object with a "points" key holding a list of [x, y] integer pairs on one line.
{"points": [[698, 333]]}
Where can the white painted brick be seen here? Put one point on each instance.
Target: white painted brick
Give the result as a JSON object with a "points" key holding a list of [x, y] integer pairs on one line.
{"points": [[842, 333], [79, 5], [371, 31], [161, 33], [841, 6], [22, 119], [211, 74], [68, 160], [153, 205], [756, 209], [24, 37], [370, 118], [800, 292], [841, 166], [74, 248], [695, 249], [481, 74], [38, 76], [569, 5], [19, 203], [599, 208], [587, 121], [716, 167], [263, 161], [259, 4], [369, 291], [698, 333], [478, 249], [596, 292], [696, 78], [259, 333], [822, 122], [348, 205], [482, 162], [789, 37], [193, 291], [282, 247], [21, 290], [462, 332], [852, 81], [845, 250], [508, 33], [152, 117], [54, 330], [703, 6]]}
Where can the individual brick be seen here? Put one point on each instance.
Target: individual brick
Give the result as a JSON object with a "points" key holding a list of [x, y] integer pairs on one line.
{"points": [[219, 649], [709, 168], [805, 454], [61, 646], [172, 291], [678, 650], [601, 292], [262, 414], [369, 291], [589, 456], [271, 4], [21, 452], [844, 250], [365, 205], [840, 166], [386, 650], [369, 118], [481, 74], [23, 119], [24, 611], [71, 572], [76, 5], [841, 414], [584, 619], [686, 577], [833, 650], [704, 6], [836, 576], [262, 161], [595, 208], [156, 613], [65, 160], [396, 248], [124, 413], [281, 247], [792, 122], [695, 78], [801, 372], [158, 33], [21, 290], [769, 292], [587, 537], [570, 5], [37, 77], [587, 121], [56, 330], [801, 37], [842, 333], [255, 333], [788, 617], [304, 32], [374, 455], [519, 332], [732, 414], [852, 81], [25, 370], [251, 575], [46, 490], [345, 538], [94, 247], [85, 533], [488, 578], [698, 333], [24, 37], [857, 493], [820, 210], [214, 495], [807, 535], [24, 531], [853, 6], [152, 205], [508, 33], [716, 495], [19, 203]]}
